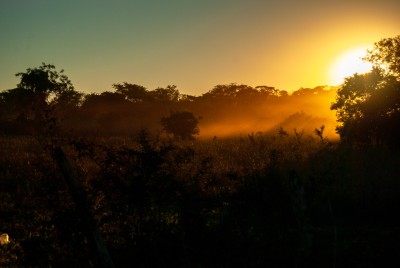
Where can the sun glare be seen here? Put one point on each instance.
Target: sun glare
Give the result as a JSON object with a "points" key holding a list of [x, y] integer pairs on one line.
{"points": [[348, 64]]}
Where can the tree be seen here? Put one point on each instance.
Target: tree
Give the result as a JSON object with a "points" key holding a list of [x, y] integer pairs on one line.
{"points": [[42, 95], [268, 91], [44, 80], [45, 84], [66, 105], [229, 91], [105, 103], [319, 90], [68, 99], [16, 103], [386, 56], [132, 92], [234, 93], [183, 125], [168, 94], [368, 105]]}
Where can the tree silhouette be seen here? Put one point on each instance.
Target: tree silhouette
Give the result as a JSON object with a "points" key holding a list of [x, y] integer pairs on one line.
{"points": [[183, 125], [368, 105], [44, 82], [230, 91], [168, 94], [16, 103], [311, 91], [132, 92], [386, 56], [40, 92], [269, 91], [68, 99]]}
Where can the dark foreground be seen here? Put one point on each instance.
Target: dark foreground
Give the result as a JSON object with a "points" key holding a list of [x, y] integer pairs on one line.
{"points": [[255, 201]]}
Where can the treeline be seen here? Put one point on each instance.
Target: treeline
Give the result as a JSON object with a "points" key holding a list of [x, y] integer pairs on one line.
{"points": [[228, 109], [367, 106]]}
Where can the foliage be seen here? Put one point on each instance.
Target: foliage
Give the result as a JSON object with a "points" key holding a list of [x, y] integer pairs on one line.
{"points": [[183, 125], [16, 103], [351, 97], [245, 93], [44, 80], [168, 94], [132, 92], [262, 200], [386, 56], [368, 105], [48, 95], [320, 90], [42, 94]]}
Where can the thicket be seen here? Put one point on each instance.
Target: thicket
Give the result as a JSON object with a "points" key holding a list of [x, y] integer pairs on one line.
{"points": [[286, 199]]}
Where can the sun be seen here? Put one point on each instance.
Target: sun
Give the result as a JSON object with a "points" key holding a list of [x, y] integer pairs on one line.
{"points": [[348, 64]]}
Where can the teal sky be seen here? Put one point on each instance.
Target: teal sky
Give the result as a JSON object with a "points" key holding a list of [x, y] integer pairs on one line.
{"points": [[192, 44]]}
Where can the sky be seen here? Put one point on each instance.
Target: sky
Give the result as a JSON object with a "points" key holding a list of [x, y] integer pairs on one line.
{"points": [[193, 44]]}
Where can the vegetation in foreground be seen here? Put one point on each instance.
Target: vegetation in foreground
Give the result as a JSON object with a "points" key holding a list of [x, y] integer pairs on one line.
{"points": [[259, 200]]}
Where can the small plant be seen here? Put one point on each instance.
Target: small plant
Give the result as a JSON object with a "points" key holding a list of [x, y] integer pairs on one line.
{"points": [[282, 132], [298, 135], [320, 133]]}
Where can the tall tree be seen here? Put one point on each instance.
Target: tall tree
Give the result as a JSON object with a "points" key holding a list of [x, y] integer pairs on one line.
{"points": [[44, 80], [368, 105], [386, 56], [42, 95], [44, 83]]}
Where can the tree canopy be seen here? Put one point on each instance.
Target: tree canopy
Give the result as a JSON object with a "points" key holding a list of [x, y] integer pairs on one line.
{"points": [[368, 105], [132, 92], [183, 125], [386, 56], [44, 79]]}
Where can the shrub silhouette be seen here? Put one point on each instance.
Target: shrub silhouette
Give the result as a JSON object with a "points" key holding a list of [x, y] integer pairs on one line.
{"points": [[183, 125]]}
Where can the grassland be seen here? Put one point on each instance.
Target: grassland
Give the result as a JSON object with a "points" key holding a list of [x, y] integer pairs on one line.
{"points": [[253, 201]]}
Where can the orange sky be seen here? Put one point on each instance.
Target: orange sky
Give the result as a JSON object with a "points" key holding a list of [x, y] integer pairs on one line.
{"points": [[192, 44]]}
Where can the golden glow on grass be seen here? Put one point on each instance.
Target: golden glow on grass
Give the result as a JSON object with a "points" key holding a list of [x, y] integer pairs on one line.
{"points": [[348, 64]]}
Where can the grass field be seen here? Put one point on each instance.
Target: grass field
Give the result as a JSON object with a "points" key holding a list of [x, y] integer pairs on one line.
{"points": [[252, 201]]}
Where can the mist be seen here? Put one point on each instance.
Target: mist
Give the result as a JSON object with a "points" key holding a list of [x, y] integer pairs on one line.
{"points": [[302, 110]]}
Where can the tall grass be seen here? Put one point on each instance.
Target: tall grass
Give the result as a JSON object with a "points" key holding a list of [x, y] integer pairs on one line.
{"points": [[288, 199]]}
